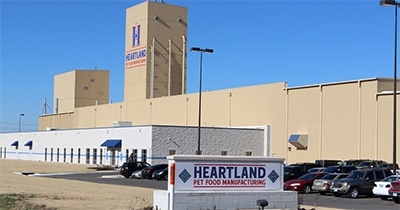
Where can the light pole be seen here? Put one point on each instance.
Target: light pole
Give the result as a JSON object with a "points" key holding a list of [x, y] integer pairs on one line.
{"points": [[395, 4], [19, 122], [201, 50]]}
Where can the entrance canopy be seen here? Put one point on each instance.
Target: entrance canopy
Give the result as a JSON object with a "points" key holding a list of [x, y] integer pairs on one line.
{"points": [[112, 143]]}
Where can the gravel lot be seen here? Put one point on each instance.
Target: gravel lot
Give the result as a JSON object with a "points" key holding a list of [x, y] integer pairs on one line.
{"points": [[68, 194]]}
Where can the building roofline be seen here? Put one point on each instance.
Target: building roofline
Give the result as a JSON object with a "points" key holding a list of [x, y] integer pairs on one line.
{"points": [[338, 83]]}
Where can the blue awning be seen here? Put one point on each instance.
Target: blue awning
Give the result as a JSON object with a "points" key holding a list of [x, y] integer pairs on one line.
{"points": [[28, 144], [15, 143], [112, 143]]}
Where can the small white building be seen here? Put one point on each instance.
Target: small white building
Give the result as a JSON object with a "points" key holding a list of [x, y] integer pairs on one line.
{"points": [[114, 145]]}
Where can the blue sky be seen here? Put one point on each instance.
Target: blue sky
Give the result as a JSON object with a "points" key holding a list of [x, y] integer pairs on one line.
{"points": [[300, 42]]}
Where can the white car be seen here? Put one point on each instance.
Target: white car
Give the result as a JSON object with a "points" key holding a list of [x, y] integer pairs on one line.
{"points": [[381, 188], [137, 174]]}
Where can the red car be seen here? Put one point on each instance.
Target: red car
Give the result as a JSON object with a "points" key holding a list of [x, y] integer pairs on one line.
{"points": [[394, 191], [303, 183]]}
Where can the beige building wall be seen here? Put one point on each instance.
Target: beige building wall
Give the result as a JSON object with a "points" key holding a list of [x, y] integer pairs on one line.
{"points": [[155, 51], [342, 120], [80, 88]]}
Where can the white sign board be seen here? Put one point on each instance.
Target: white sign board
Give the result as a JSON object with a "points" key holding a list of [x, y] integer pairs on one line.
{"points": [[209, 175]]}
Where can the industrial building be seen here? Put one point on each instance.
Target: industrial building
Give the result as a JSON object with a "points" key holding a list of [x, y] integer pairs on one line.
{"points": [[340, 120]]}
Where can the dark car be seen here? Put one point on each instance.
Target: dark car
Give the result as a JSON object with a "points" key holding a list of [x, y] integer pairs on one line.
{"points": [[292, 172], [147, 173], [370, 164], [161, 174], [353, 162], [303, 183], [305, 166], [128, 168], [327, 163], [359, 182], [339, 169]]}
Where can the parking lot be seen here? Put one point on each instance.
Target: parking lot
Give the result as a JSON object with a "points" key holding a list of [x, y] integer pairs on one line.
{"points": [[312, 199]]}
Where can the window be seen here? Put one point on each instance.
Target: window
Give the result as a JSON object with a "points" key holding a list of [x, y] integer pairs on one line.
{"points": [[65, 155], [1, 152], [172, 152], [79, 155], [45, 154], [51, 155], [87, 155], [58, 154], [72, 155], [5, 152], [101, 156], [127, 155], [379, 174], [94, 156], [134, 151], [249, 153], [92, 80], [370, 175], [144, 155], [224, 153], [86, 88]]}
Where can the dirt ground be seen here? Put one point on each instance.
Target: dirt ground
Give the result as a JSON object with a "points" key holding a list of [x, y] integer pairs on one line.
{"points": [[68, 194]]}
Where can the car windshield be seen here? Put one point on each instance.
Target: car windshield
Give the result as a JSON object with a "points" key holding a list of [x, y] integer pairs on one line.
{"points": [[329, 176], [287, 170], [356, 175], [383, 165], [391, 179], [307, 176], [331, 169], [365, 163]]}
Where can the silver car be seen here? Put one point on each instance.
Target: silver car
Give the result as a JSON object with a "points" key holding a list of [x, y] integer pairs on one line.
{"points": [[323, 185]]}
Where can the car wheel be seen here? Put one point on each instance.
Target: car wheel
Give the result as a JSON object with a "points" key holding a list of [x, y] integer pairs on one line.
{"points": [[322, 192], [384, 198], [127, 176], [396, 199], [307, 189], [337, 195], [353, 193]]}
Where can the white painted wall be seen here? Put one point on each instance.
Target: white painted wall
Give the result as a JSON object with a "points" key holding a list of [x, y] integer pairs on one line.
{"points": [[156, 140]]}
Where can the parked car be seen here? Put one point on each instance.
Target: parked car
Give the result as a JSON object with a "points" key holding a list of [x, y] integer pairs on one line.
{"points": [[339, 169], [359, 182], [370, 164], [147, 173], [137, 174], [394, 191], [323, 184], [161, 174], [353, 162], [326, 163], [304, 183], [381, 188], [389, 166], [318, 169], [292, 172], [128, 168], [305, 166]]}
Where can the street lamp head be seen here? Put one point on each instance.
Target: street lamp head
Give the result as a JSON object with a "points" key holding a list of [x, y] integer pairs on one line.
{"points": [[208, 50], [198, 49], [387, 2], [195, 49], [21, 115]]}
